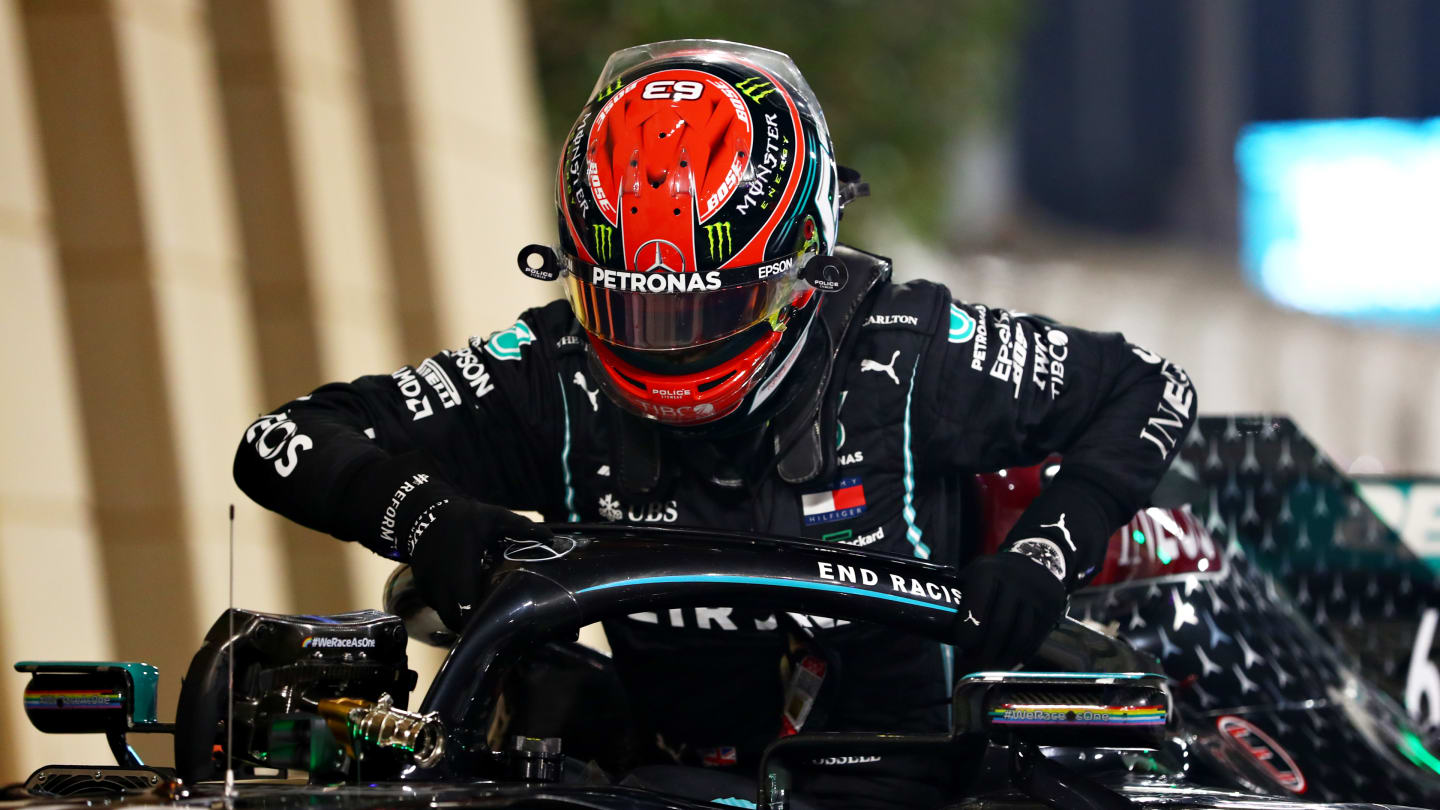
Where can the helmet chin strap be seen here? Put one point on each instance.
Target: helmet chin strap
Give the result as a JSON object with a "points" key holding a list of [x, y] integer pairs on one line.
{"points": [[802, 444]]}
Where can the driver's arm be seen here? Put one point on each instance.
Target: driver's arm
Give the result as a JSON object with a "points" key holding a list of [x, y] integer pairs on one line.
{"points": [[422, 463], [1011, 389]]}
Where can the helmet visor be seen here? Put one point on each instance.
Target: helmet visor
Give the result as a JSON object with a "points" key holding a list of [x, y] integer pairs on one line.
{"points": [[662, 310], [773, 62]]}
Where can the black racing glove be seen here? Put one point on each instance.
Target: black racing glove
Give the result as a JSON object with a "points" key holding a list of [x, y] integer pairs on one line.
{"points": [[1011, 603], [456, 543], [401, 507]]}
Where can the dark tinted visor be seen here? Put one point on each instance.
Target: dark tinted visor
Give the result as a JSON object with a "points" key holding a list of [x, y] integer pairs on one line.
{"points": [[667, 310]]}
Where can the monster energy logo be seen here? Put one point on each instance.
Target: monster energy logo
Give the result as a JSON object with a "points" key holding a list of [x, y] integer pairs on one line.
{"points": [[608, 90], [717, 235], [604, 246], [755, 88]]}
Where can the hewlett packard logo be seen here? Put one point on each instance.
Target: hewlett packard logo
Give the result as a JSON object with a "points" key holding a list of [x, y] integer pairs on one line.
{"points": [[322, 642]]}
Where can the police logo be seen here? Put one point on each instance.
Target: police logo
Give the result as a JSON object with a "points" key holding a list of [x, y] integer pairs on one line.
{"points": [[539, 550]]}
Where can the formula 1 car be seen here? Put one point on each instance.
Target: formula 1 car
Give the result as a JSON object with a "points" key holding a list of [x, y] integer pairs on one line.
{"points": [[1188, 675]]}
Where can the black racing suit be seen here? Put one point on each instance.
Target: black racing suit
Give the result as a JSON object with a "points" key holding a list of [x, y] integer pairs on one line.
{"points": [[921, 392]]}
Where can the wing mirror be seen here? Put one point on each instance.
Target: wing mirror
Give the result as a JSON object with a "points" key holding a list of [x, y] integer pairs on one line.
{"points": [[114, 698], [1111, 710]]}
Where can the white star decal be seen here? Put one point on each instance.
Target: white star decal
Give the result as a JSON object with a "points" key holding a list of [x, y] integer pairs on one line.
{"points": [[1207, 666], [1206, 699], [1217, 636], [1184, 611], [1166, 648], [1246, 685], [1251, 657], [1135, 620]]}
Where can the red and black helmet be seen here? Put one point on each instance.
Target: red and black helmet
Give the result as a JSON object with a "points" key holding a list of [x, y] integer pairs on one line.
{"points": [[693, 189]]}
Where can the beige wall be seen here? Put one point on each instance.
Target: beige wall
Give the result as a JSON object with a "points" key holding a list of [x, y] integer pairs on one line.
{"points": [[52, 592], [207, 208]]}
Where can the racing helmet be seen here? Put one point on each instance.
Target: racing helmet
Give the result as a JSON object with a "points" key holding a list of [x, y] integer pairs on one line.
{"points": [[694, 191]]}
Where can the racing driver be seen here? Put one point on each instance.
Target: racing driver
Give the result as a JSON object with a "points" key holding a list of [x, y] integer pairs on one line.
{"points": [[721, 361]]}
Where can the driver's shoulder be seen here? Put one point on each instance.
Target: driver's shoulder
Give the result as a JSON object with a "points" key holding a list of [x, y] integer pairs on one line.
{"points": [[552, 325], [536, 342], [914, 306], [563, 337]]}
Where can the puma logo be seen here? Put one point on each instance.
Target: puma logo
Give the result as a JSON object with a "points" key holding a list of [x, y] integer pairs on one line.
{"points": [[1060, 524], [970, 617], [875, 365], [593, 395]]}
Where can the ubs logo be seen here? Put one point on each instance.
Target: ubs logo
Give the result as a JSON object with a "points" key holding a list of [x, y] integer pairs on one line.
{"points": [[539, 550]]}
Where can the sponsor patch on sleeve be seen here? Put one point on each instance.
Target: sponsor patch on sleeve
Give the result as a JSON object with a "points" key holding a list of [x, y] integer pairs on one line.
{"points": [[507, 343], [962, 325], [899, 317]]}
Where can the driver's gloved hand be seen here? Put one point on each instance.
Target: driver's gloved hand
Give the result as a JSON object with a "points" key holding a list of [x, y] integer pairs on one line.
{"points": [[456, 545], [1010, 604]]}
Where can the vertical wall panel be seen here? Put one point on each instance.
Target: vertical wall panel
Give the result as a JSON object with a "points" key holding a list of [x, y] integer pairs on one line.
{"points": [[353, 294], [250, 199], [393, 151], [485, 170], [52, 587], [205, 327], [114, 329], [275, 257]]}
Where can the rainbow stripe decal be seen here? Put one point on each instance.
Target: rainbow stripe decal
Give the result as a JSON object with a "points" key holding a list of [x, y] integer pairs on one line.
{"points": [[74, 699], [1030, 714]]}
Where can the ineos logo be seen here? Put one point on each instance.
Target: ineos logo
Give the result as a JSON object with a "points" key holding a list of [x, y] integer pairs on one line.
{"points": [[539, 550], [274, 434], [269, 444]]}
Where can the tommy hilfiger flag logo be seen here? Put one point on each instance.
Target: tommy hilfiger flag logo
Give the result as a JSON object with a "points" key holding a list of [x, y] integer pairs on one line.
{"points": [[719, 757], [846, 500]]}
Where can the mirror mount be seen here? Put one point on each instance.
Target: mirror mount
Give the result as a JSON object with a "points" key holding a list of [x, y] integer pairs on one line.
{"points": [[114, 698]]}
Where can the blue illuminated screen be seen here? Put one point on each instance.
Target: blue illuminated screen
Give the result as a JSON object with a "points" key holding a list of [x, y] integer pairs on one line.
{"points": [[1343, 217]]}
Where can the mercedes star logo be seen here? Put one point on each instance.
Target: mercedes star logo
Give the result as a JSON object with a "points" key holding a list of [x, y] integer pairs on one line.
{"points": [[658, 254]]}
